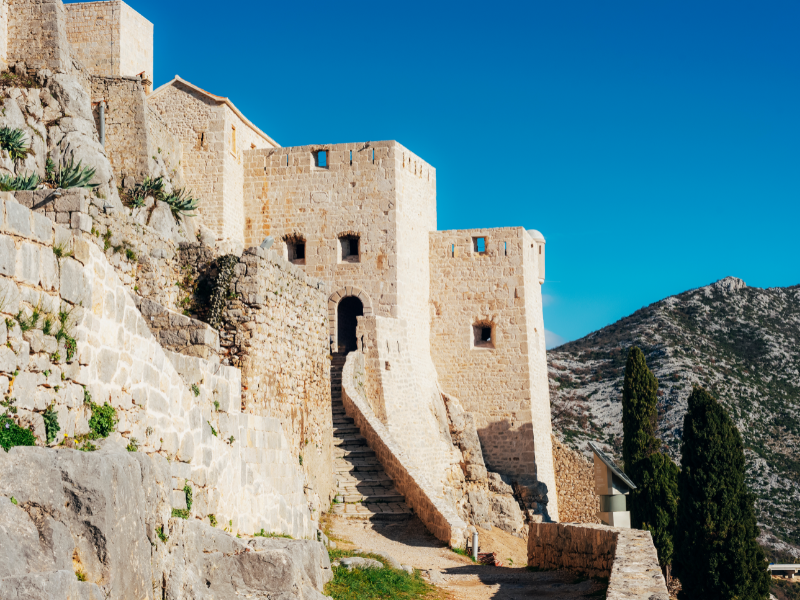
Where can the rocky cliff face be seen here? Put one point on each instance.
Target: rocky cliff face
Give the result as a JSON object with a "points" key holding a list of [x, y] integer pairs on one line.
{"points": [[740, 343], [91, 525]]}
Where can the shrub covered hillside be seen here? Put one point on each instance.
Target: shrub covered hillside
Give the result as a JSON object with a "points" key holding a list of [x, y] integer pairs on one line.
{"points": [[740, 343]]}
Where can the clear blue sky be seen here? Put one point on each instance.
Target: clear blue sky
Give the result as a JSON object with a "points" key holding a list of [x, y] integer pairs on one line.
{"points": [[655, 144]]}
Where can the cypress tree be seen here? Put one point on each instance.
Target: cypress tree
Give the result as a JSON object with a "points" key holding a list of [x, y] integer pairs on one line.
{"points": [[716, 553], [654, 502]]}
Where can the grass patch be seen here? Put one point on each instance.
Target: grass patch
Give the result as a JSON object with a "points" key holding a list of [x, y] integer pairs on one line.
{"points": [[12, 434], [268, 534], [462, 552], [375, 584]]}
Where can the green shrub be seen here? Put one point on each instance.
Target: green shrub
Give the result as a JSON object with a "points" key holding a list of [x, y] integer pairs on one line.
{"points": [[212, 519], [104, 419], [161, 535], [12, 434], [195, 390], [51, 425], [19, 183], [182, 203], [133, 445], [14, 140], [149, 187]]}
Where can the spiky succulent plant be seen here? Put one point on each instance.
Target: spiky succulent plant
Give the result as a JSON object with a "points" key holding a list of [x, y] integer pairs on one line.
{"points": [[182, 203], [18, 183], [15, 141], [69, 175]]}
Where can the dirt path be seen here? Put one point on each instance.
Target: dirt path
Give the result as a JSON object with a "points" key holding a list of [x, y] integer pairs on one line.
{"points": [[411, 544]]}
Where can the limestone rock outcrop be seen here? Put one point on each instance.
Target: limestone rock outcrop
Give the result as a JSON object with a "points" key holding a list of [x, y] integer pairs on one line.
{"points": [[86, 525]]}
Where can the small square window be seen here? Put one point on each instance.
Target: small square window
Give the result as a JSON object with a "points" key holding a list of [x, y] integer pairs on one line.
{"points": [[483, 335], [321, 159], [349, 248], [479, 245], [297, 252]]}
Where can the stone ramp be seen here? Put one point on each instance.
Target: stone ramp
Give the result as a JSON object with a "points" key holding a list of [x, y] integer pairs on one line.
{"points": [[364, 487]]}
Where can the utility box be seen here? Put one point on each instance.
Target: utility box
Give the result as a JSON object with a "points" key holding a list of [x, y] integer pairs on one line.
{"points": [[612, 485]]}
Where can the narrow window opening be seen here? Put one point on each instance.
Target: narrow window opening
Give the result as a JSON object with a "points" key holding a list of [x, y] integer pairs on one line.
{"points": [[398, 346], [287, 160], [505, 248], [452, 250], [483, 335], [351, 158], [540, 249], [233, 140], [295, 249], [479, 245], [349, 245], [387, 366], [321, 159], [373, 155]]}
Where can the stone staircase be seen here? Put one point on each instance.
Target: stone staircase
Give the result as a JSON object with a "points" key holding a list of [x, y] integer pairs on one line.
{"points": [[364, 490]]}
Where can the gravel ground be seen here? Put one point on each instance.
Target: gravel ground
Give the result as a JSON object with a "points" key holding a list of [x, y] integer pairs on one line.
{"points": [[411, 544]]}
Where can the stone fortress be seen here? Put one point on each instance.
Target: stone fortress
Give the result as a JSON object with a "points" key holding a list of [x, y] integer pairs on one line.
{"points": [[307, 341]]}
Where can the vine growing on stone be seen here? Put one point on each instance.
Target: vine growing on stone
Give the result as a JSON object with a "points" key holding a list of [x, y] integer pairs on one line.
{"points": [[225, 266]]}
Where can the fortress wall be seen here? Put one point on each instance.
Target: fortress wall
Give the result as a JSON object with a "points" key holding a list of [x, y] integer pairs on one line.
{"points": [[93, 33], [252, 480], [110, 39], [37, 35], [321, 203], [275, 331], [496, 384], [198, 122], [536, 352], [3, 34], [574, 475], [136, 46], [127, 127], [165, 145], [233, 173]]}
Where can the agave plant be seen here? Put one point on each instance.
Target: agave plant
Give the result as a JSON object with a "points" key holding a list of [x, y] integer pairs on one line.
{"points": [[182, 203], [18, 183], [149, 187], [70, 175], [14, 140]]}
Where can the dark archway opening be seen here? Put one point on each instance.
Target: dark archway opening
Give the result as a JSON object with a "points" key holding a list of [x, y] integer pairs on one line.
{"points": [[350, 309]]}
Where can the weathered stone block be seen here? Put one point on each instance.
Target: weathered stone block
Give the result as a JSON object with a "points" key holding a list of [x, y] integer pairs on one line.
{"points": [[8, 256], [29, 263], [18, 219]]}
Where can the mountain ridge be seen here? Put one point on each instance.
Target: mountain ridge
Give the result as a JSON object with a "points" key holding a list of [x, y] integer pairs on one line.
{"points": [[741, 343]]}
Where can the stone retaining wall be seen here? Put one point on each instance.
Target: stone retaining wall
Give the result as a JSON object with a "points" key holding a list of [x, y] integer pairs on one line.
{"points": [[184, 408], [577, 501], [440, 519], [626, 556]]}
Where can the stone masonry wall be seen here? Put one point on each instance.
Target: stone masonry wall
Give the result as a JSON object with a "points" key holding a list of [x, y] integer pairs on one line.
{"points": [[126, 125], [37, 35], [3, 34], [427, 501], [577, 501], [239, 465], [198, 122], [167, 146], [626, 556], [136, 47], [110, 39], [275, 331], [495, 382], [93, 33]]}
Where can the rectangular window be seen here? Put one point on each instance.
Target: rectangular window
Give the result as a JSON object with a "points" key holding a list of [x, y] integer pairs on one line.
{"points": [[479, 245], [233, 140], [482, 335], [349, 248], [296, 252], [321, 159]]}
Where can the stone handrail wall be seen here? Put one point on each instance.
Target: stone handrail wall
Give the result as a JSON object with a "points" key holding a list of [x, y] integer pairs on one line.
{"points": [[440, 519], [626, 556], [577, 500]]}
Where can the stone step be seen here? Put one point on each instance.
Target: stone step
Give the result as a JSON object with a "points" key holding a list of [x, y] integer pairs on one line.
{"points": [[374, 511], [375, 498], [355, 452], [349, 467], [376, 479], [345, 429], [352, 436]]}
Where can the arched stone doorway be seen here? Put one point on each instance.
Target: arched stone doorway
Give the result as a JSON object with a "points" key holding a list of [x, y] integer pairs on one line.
{"points": [[335, 301], [349, 309]]}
